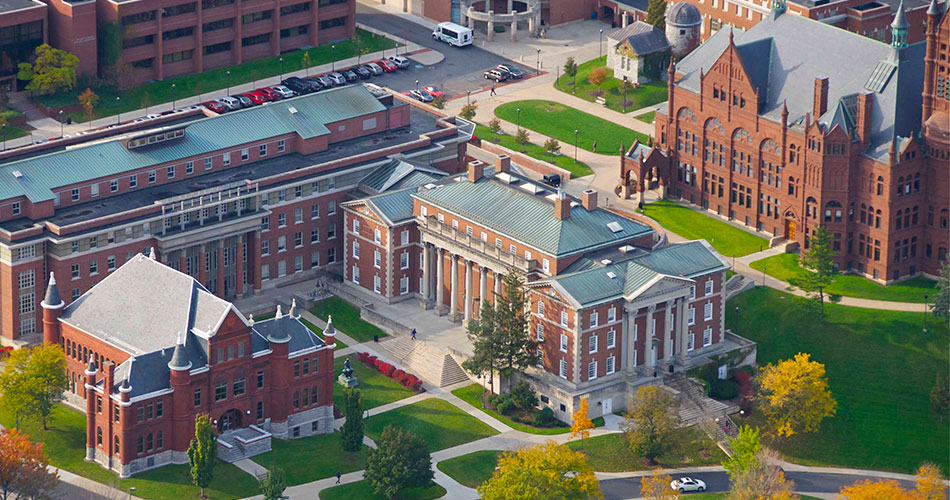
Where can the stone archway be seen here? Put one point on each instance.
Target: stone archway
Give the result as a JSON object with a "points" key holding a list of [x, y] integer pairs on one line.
{"points": [[229, 420]]}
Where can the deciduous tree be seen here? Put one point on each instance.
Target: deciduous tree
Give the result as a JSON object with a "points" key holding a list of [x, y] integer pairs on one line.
{"points": [[401, 460], [552, 146], [819, 260], [33, 381], [874, 490], [745, 447], [494, 125], [657, 487], [581, 425], [23, 468], [51, 71], [598, 76], [941, 303], [88, 100], [468, 111], [930, 485], [273, 484], [523, 137], [546, 471], [656, 14], [650, 422], [351, 436], [305, 62], [762, 480], [794, 395], [203, 452], [570, 67]]}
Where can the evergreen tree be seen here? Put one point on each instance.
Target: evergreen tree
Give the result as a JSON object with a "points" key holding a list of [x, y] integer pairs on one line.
{"points": [[656, 14], [401, 460], [203, 452], [483, 333], [517, 349], [941, 303], [352, 435], [819, 260]]}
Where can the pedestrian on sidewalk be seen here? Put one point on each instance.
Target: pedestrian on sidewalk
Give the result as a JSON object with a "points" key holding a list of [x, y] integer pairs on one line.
{"points": [[413, 334], [595, 146], [492, 90], [338, 476]]}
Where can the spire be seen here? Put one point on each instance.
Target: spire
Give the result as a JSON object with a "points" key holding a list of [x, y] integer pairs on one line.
{"points": [[277, 332], [732, 36], [329, 330], [52, 299], [91, 368], [293, 308], [279, 314], [152, 254], [126, 386], [934, 9], [179, 360], [899, 28]]}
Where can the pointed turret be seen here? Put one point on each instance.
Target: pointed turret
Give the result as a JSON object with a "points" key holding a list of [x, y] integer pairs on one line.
{"points": [[279, 314], [277, 333], [179, 360], [293, 309], [329, 333], [52, 299], [52, 305], [899, 28], [934, 9]]}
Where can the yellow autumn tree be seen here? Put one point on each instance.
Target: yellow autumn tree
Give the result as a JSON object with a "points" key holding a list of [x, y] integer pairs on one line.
{"points": [[582, 424], [794, 395], [875, 490], [930, 485], [548, 471], [657, 487]]}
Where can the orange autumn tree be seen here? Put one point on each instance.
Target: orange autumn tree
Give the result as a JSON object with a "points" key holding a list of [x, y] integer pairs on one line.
{"points": [[930, 486], [23, 467], [582, 424]]}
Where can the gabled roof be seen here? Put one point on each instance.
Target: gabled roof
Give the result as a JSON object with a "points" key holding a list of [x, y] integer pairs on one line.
{"points": [[143, 305], [399, 173], [643, 38], [41, 174], [300, 336], [691, 259], [529, 218]]}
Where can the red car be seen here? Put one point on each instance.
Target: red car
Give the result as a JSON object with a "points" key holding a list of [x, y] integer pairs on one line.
{"points": [[432, 89], [388, 66], [215, 106], [256, 97], [269, 93]]}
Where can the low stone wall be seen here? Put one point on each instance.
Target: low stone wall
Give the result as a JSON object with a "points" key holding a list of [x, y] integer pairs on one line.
{"points": [[522, 160], [387, 325]]}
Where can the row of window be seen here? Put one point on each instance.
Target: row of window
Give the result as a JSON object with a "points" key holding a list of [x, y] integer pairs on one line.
{"points": [[610, 362], [298, 264]]}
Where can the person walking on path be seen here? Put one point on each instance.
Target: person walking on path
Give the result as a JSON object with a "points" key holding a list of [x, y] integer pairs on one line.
{"points": [[492, 90], [338, 476], [413, 334], [595, 146]]}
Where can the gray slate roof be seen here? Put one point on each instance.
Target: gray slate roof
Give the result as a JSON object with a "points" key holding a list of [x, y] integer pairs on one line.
{"points": [[143, 305], [643, 38], [530, 218], [784, 54], [43, 173], [682, 14], [300, 336]]}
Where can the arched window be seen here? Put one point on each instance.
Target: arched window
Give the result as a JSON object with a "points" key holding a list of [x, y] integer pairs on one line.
{"points": [[900, 186], [913, 220], [944, 218], [811, 208], [791, 186], [833, 211], [864, 214], [99, 436], [877, 219], [880, 185], [115, 445]]}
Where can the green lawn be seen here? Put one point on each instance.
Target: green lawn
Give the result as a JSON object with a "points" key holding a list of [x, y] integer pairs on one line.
{"points": [[559, 121], [195, 84], [346, 318], [646, 95], [565, 161], [610, 452], [65, 444], [377, 388], [786, 268], [473, 469], [438, 423], [646, 117], [312, 458], [692, 225], [880, 367], [12, 132], [361, 490], [472, 394]]}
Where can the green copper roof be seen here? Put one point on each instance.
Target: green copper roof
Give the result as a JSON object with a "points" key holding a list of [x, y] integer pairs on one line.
{"points": [[395, 206], [694, 258], [41, 174], [529, 218]]}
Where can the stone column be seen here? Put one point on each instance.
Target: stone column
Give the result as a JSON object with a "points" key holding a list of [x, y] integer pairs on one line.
{"points": [[624, 19], [511, 7], [514, 30], [491, 27], [439, 280], [454, 299], [426, 275], [468, 291], [651, 335], [498, 279], [468, 16], [482, 288], [682, 330], [532, 27], [626, 340], [239, 267], [667, 330]]}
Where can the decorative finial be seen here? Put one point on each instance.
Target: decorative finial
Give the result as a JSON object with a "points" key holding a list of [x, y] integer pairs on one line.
{"points": [[293, 308], [152, 254], [279, 314]]}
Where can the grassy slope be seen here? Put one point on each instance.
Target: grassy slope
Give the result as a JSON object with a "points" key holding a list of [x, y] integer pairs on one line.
{"points": [[312, 458], [361, 490], [647, 95], [377, 388], [610, 453], [440, 424], [646, 117], [566, 162], [560, 121], [880, 367], [472, 469], [346, 318], [691, 224]]}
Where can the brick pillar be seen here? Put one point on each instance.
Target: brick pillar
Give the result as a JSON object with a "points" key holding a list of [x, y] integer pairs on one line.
{"points": [[181, 408], [280, 386], [254, 248], [90, 383], [220, 251], [239, 266], [202, 266]]}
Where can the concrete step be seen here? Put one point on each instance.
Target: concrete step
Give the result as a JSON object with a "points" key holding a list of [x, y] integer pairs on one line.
{"points": [[452, 373], [423, 360]]}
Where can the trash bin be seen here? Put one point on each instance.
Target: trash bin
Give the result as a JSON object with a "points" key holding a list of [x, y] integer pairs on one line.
{"points": [[69, 120], [375, 338]]}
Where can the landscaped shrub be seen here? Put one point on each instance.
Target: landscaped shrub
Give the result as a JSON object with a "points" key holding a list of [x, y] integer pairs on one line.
{"points": [[398, 374], [523, 396], [362, 356], [544, 417], [724, 389], [596, 93], [504, 406], [371, 361]]}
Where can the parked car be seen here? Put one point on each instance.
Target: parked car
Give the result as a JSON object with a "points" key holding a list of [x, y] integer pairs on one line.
{"points": [[350, 75], [337, 78], [256, 97], [388, 66], [400, 61], [513, 72], [497, 75], [363, 72], [299, 85], [315, 81], [284, 91], [552, 179], [269, 93], [246, 101], [374, 68], [229, 102], [215, 106], [420, 95], [435, 91], [324, 81], [685, 484]]}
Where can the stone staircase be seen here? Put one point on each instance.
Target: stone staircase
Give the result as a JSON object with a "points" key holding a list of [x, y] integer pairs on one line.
{"points": [[423, 360], [695, 407], [243, 443]]}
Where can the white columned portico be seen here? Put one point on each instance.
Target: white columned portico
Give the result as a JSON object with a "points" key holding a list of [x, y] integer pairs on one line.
{"points": [[682, 330], [440, 280], [482, 288], [426, 274], [651, 340], [468, 291], [668, 329], [454, 298]]}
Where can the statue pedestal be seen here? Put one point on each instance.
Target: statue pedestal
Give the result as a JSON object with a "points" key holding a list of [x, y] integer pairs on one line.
{"points": [[347, 381]]}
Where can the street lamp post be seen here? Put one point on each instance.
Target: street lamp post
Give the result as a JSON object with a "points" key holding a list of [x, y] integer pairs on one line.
{"points": [[417, 85], [281, 61], [118, 116], [174, 100], [468, 98], [131, 490], [737, 321], [539, 61], [61, 122], [332, 58], [624, 103], [600, 45], [3, 131], [519, 118], [925, 312], [229, 82], [575, 145]]}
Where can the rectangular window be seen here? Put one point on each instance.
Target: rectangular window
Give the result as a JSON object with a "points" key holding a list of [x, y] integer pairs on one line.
{"points": [[315, 211], [377, 284], [260, 380], [709, 287], [591, 370], [75, 194], [221, 391], [403, 285], [610, 365], [707, 337], [563, 343], [611, 314], [563, 369], [93, 267], [690, 341], [298, 239], [197, 397], [593, 319], [133, 181], [356, 249], [159, 409], [611, 339], [563, 318], [539, 332], [265, 272], [355, 272], [377, 236], [546, 265], [262, 150], [541, 307], [691, 316], [208, 163], [404, 260], [282, 244], [315, 235], [708, 311], [404, 237], [592, 344], [281, 146], [244, 154], [331, 207], [298, 263], [356, 226]]}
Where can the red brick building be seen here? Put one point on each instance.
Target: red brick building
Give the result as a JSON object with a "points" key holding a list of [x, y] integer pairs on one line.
{"points": [[242, 201], [608, 310], [772, 130], [149, 348]]}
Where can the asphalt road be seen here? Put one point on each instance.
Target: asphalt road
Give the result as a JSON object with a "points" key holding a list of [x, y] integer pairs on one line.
{"points": [[812, 482], [459, 72]]}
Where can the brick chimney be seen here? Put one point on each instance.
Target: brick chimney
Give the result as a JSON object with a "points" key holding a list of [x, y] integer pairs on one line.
{"points": [[562, 206], [820, 104], [475, 171], [502, 164], [589, 200], [863, 120], [109, 382]]}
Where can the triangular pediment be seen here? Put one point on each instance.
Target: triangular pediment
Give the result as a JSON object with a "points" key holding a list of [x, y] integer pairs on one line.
{"points": [[661, 285]]}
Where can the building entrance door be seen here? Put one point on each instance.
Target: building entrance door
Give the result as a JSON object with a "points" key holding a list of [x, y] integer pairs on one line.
{"points": [[608, 406], [230, 420], [790, 229]]}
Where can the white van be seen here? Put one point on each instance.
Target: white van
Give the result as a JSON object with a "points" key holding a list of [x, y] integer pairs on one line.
{"points": [[453, 34]]}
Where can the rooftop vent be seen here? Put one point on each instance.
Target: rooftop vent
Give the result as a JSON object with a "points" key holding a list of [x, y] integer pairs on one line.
{"points": [[505, 177], [292, 110], [614, 226], [627, 249], [17, 174], [430, 186], [606, 262], [611, 275]]}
